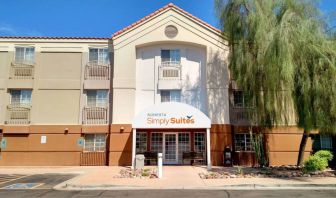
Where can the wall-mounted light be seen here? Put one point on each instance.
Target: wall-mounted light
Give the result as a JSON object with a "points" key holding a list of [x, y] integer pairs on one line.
{"points": [[122, 129], [66, 130]]}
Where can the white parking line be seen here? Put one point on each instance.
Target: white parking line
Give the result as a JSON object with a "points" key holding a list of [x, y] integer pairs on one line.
{"points": [[37, 185], [14, 179]]}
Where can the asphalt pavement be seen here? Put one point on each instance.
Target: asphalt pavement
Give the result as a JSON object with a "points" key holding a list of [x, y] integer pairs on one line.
{"points": [[35, 181], [170, 193]]}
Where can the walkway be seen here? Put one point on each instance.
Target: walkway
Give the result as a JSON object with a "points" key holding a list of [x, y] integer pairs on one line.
{"points": [[174, 177]]}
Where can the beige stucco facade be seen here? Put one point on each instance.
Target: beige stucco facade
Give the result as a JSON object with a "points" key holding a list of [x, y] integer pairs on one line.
{"points": [[59, 117], [190, 35]]}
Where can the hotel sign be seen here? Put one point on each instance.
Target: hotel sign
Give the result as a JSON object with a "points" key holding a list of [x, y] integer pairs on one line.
{"points": [[171, 115]]}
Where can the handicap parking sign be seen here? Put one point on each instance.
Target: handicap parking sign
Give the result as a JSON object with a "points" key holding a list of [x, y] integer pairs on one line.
{"points": [[80, 142], [3, 143]]}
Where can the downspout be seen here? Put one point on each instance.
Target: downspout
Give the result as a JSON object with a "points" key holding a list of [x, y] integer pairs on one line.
{"points": [[111, 54]]}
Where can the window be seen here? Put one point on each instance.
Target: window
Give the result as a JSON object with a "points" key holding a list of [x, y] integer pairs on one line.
{"points": [[156, 142], [95, 142], [24, 55], [171, 96], [183, 145], [243, 142], [238, 99], [241, 99], [170, 56], [99, 56], [97, 98], [326, 142], [21, 97], [200, 142], [141, 142]]}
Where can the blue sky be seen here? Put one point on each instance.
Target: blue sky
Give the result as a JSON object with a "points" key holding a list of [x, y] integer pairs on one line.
{"points": [[95, 18]]}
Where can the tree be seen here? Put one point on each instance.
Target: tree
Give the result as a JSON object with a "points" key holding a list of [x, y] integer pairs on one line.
{"points": [[281, 55]]}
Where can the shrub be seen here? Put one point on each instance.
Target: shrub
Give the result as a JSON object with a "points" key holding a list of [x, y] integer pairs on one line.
{"points": [[315, 163], [325, 154]]}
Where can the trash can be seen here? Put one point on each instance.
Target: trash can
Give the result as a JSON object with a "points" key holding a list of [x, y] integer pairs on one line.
{"points": [[139, 161], [227, 156]]}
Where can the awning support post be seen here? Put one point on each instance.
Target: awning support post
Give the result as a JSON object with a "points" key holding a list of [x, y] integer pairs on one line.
{"points": [[208, 148], [133, 148]]}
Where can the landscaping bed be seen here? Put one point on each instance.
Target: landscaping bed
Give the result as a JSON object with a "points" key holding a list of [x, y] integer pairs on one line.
{"points": [[145, 173], [268, 172]]}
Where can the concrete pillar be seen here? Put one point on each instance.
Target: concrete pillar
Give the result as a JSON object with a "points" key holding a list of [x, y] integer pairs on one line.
{"points": [[133, 148], [208, 148]]}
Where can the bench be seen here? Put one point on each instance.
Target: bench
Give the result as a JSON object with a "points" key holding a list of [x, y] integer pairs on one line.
{"points": [[149, 156], [192, 156]]}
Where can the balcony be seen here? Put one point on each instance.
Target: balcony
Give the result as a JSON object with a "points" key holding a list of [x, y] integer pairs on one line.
{"points": [[170, 75], [97, 70], [241, 116], [18, 114], [95, 115], [22, 69]]}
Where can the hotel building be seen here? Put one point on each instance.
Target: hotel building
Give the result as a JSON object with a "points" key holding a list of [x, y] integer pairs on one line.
{"points": [[160, 85]]}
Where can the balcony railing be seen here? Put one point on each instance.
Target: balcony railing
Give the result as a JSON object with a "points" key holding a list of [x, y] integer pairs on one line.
{"points": [[241, 116], [97, 70], [170, 70], [22, 69], [18, 114], [22, 72], [95, 115]]}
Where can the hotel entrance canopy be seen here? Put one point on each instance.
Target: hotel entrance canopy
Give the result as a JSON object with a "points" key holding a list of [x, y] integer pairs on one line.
{"points": [[171, 115]]}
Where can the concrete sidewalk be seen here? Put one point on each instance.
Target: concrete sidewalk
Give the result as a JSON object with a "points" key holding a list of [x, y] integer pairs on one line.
{"points": [[187, 177], [174, 177]]}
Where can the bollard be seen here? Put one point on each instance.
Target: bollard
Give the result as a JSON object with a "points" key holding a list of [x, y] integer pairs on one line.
{"points": [[159, 170]]}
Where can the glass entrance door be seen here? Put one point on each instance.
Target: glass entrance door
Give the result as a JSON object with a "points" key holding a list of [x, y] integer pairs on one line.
{"points": [[170, 148]]}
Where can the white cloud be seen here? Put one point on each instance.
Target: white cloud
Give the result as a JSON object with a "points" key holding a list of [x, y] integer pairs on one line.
{"points": [[9, 30]]}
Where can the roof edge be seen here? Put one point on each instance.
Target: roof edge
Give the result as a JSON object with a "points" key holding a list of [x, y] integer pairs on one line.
{"points": [[55, 38], [155, 13]]}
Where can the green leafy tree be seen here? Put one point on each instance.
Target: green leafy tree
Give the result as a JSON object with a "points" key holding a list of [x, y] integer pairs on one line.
{"points": [[282, 56]]}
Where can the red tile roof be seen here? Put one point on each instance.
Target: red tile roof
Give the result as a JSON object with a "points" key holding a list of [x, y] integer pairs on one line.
{"points": [[53, 38], [170, 5]]}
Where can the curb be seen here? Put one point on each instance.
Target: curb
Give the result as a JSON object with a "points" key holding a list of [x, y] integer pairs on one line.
{"points": [[68, 186]]}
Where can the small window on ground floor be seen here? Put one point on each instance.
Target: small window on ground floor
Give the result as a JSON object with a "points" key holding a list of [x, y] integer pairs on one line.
{"points": [[95, 142], [141, 142], [199, 142], [183, 145], [326, 142], [243, 142], [156, 142], [322, 142]]}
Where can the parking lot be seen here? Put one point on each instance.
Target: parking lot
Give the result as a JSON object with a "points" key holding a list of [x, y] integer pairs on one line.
{"points": [[35, 181]]}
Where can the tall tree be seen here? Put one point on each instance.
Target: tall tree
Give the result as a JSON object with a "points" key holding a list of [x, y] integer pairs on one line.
{"points": [[281, 55]]}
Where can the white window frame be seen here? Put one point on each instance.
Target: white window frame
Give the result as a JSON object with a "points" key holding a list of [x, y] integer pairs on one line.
{"points": [[95, 142], [157, 143], [27, 101], [25, 60], [244, 103], [204, 142], [179, 146], [326, 137], [99, 101], [245, 142], [100, 55], [171, 51], [171, 95], [137, 143]]}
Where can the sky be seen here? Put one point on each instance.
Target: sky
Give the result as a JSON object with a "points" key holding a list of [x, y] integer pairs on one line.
{"points": [[93, 18]]}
